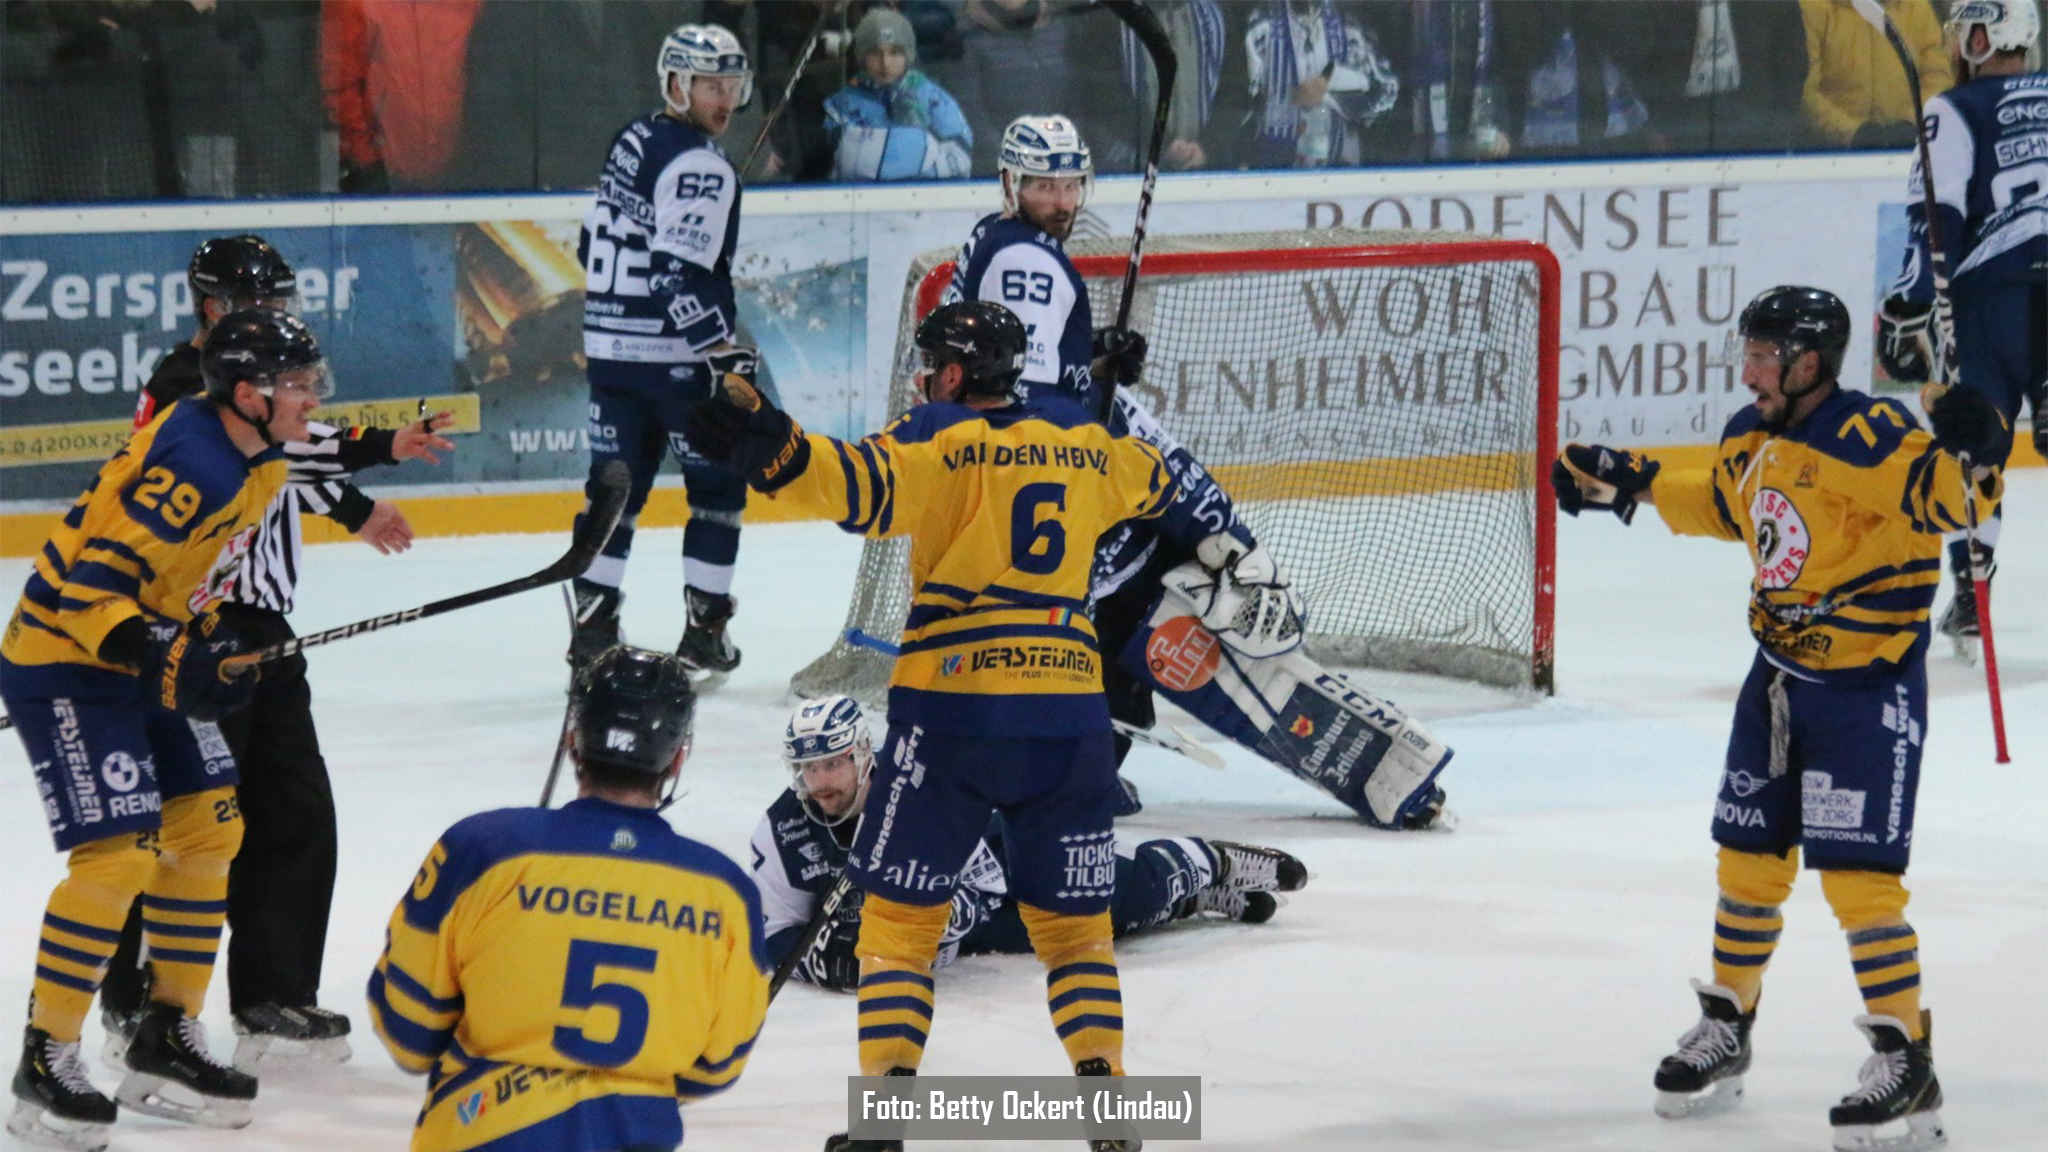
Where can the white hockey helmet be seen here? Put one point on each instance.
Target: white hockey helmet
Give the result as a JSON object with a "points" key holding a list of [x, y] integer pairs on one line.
{"points": [[1042, 146], [701, 50], [2009, 26], [824, 729]]}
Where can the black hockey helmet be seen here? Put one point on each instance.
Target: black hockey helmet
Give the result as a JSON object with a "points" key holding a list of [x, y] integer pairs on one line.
{"points": [[258, 344], [1799, 319], [242, 270], [984, 338], [634, 712]]}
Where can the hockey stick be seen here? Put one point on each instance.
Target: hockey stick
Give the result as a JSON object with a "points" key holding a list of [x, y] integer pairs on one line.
{"points": [[819, 919], [612, 482], [1146, 27], [547, 791], [1945, 354], [1177, 742], [788, 90]]}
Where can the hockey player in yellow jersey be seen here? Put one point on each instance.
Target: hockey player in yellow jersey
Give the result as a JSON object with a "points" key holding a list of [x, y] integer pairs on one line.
{"points": [[1842, 500], [110, 670], [995, 703], [567, 977]]}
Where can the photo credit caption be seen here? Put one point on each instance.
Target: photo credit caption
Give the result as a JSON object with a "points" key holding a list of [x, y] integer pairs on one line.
{"points": [[1023, 1107]]}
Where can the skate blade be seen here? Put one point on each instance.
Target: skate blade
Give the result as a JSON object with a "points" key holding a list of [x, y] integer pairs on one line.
{"points": [[1718, 1097], [283, 1052], [1916, 1133], [34, 1124], [707, 679], [1965, 647], [154, 1095]]}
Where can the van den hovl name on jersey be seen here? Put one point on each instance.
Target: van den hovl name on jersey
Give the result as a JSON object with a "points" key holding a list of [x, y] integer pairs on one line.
{"points": [[1029, 456], [628, 907]]}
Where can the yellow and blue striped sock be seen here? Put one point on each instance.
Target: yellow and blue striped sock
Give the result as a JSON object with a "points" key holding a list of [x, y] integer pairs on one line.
{"points": [[81, 926], [897, 945], [1082, 988], [185, 901]]}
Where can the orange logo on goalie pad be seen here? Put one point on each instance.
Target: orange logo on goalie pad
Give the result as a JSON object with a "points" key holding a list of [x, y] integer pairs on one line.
{"points": [[1182, 654], [1303, 727]]}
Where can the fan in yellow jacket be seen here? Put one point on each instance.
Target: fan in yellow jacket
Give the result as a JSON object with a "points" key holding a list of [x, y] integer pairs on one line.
{"points": [[1853, 79], [1841, 499]]}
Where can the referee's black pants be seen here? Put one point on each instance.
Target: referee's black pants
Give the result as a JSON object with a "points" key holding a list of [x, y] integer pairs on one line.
{"points": [[281, 885]]}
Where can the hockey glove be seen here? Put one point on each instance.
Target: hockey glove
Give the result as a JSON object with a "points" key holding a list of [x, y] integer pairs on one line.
{"points": [[738, 425], [1903, 345], [1966, 423], [181, 669], [1595, 476], [831, 962], [1120, 354]]}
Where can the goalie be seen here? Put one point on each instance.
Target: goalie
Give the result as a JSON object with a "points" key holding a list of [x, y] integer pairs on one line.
{"points": [[1216, 628]]}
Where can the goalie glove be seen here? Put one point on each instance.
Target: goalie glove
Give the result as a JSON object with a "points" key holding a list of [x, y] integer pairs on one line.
{"points": [[1596, 476], [1241, 596], [1904, 346], [1120, 354]]}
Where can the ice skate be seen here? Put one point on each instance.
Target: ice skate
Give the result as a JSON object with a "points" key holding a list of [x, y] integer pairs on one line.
{"points": [[288, 1034], [1251, 868], [120, 1028], [842, 1142], [56, 1105], [706, 647], [1243, 907], [1100, 1067], [1959, 623], [1705, 1074], [172, 1074], [1896, 1106]]}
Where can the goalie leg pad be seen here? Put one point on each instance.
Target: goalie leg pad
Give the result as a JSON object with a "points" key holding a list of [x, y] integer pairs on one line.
{"points": [[1359, 748]]}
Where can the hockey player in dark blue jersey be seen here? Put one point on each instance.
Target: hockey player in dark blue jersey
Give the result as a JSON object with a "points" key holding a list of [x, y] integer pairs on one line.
{"points": [[657, 250], [1264, 694], [1987, 139], [799, 853]]}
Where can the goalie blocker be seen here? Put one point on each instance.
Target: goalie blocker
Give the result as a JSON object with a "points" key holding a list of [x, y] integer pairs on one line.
{"points": [[1226, 647]]}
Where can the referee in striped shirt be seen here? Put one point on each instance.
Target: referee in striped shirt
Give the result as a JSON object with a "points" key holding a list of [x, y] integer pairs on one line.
{"points": [[281, 885]]}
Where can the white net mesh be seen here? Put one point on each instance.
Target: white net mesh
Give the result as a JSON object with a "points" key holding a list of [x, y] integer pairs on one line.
{"points": [[1378, 413]]}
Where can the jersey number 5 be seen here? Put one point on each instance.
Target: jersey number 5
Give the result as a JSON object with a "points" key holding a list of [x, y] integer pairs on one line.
{"points": [[581, 989], [1038, 541]]}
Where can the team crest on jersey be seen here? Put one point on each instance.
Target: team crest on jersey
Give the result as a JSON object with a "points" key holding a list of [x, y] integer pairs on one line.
{"points": [[1780, 543], [220, 581], [623, 840], [1182, 655]]}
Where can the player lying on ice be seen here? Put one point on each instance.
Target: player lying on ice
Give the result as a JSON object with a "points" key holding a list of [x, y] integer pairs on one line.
{"points": [[800, 846]]}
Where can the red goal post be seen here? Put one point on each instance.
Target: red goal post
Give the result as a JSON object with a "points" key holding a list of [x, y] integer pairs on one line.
{"points": [[1382, 411]]}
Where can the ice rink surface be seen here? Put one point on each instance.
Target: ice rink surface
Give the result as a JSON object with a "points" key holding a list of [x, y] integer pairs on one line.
{"points": [[1510, 985]]}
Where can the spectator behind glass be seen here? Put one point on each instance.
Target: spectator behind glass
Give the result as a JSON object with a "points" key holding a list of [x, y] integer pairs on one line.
{"points": [[1856, 94], [1563, 75], [774, 35], [891, 122], [1209, 91], [1015, 61], [1316, 80], [392, 73], [1720, 75], [523, 55], [1451, 102]]}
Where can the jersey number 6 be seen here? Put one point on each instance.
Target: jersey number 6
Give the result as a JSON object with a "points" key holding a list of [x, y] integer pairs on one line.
{"points": [[1038, 541], [581, 989]]}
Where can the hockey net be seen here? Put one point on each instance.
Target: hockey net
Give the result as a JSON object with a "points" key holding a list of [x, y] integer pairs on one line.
{"points": [[1382, 413]]}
